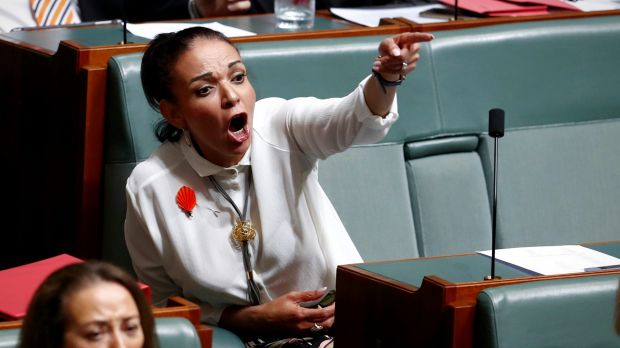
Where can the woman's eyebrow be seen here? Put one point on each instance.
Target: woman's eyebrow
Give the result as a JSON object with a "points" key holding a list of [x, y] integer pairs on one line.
{"points": [[201, 77], [208, 74]]}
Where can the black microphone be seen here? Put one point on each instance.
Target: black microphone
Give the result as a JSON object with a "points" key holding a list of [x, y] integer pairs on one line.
{"points": [[496, 130], [496, 123]]}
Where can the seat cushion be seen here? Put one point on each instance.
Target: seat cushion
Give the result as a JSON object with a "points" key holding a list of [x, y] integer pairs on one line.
{"points": [[223, 338]]}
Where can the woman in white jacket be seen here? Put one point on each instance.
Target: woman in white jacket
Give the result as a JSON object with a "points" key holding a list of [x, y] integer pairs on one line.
{"points": [[228, 211]]}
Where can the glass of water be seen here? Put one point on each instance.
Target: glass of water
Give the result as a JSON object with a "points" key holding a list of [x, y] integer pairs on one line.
{"points": [[294, 14]]}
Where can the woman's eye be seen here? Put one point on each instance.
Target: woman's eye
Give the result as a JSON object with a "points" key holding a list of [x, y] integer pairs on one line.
{"points": [[132, 326], [132, 329], [204, 90], [239, 78], [94, 336]]}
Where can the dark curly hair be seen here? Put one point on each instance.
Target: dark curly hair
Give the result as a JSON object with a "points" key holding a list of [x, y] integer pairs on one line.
{"points": [[157, 63], [46, 319]]}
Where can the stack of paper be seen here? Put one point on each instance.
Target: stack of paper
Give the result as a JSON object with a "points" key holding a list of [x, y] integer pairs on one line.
{"points": [[150, 30], [550, 260], [495, 8], [371, 16]]}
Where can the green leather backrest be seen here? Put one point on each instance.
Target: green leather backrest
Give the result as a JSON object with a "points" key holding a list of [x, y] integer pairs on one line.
{"points": [[558, 184], [449, 196], [176, 333], [9, 338], [539, 72], [566, 313], [369, 189]]}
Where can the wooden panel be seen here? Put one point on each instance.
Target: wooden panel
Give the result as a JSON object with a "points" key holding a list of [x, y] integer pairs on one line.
{"points": [[375, 311]]}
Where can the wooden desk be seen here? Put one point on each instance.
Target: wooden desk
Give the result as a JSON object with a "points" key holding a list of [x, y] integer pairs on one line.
{"points": [[426, 302], [53, 106], [176, 307]]}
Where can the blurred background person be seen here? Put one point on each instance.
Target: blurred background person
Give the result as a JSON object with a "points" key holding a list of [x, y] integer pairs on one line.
{"points": [[91, 304]]}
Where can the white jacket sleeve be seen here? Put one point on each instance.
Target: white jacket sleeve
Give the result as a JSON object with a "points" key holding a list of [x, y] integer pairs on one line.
{"points": [[322, 127], [145, 250]]}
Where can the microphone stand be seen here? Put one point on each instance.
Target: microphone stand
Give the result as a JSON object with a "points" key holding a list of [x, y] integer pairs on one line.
{"points": [[125, 15], [456, 10], [496, 130]]}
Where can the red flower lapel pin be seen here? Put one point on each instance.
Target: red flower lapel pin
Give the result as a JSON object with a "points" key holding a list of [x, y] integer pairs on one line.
{"points": [[186, 200]]}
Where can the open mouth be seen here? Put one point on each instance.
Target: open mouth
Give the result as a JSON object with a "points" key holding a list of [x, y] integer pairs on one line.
{"points": [[238, 127], [237, 123]]}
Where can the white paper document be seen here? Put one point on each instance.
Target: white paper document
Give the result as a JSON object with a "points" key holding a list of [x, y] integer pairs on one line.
{"points": [[371, 16], [150, 30], [549, 260], [596, 5]]}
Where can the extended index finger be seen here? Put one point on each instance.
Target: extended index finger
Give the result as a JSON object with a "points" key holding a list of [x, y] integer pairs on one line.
{"points": [[411, 38], [392, 46]]}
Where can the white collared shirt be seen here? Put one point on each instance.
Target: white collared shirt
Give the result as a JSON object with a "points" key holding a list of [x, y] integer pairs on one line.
{"points": [[300, 238]]}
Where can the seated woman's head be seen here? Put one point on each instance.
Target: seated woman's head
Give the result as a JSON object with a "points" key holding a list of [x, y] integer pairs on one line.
{"points": [[91, 304], [197, 80]]}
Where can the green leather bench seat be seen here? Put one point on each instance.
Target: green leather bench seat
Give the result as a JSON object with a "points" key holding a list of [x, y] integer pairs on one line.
{"points": [[170, 332], [567, 313], [555, 79], [425, 189], [543, 73], [331, 67]]}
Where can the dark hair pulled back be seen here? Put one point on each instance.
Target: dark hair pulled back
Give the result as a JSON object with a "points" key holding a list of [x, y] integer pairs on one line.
{"points": [[157, 64]]}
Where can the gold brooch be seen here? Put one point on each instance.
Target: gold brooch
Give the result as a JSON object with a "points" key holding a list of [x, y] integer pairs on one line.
{"points": [[243, 231]]}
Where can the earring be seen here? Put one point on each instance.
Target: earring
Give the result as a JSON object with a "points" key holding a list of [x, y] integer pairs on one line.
{"points": [[187, 138]]}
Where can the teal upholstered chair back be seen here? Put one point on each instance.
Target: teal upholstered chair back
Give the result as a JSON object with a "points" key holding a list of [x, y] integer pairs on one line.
{"points": [[170, 332], [176, 333], [567, 313], [449, 195], [558, 82], [9, 338]]}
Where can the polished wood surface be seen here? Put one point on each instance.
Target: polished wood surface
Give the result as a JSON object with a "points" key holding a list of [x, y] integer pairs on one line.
{"points": [[376, 311]]}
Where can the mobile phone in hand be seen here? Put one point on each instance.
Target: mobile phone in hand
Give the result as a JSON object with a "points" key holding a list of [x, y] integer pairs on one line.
{"points": [[327, 299]]}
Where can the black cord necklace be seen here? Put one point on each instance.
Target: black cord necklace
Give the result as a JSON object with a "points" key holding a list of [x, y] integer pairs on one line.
{"points": [[242, 232]]}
